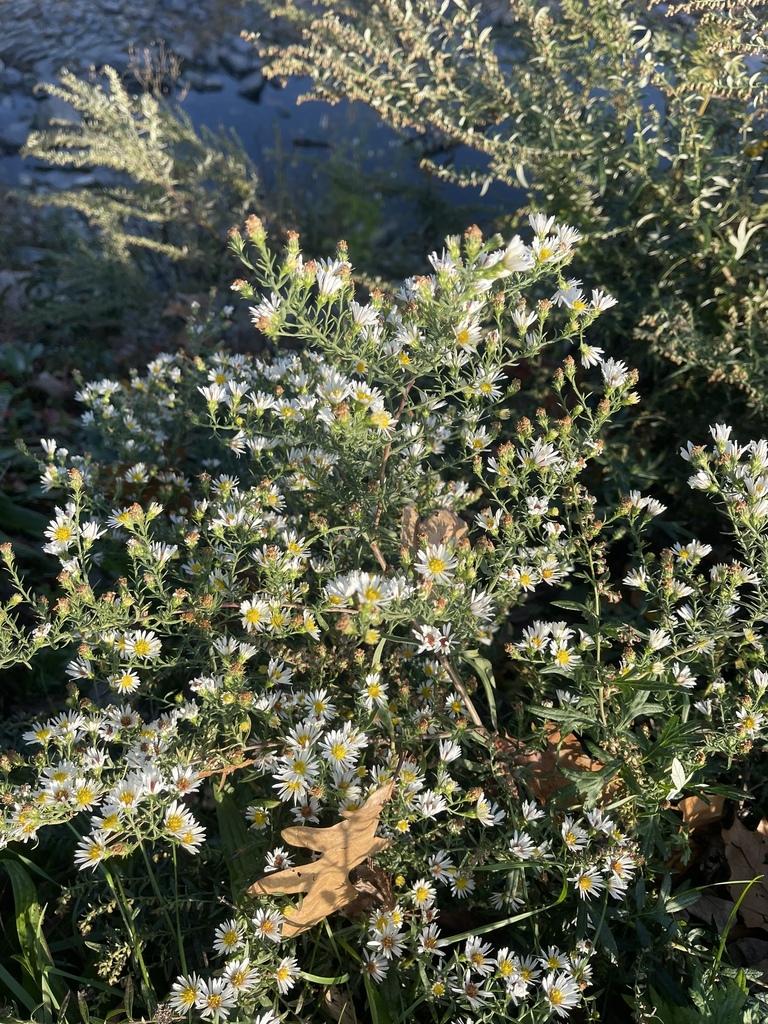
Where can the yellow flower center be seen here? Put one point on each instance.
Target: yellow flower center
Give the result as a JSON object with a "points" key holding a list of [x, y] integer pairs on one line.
{"points": [[380, 419]]}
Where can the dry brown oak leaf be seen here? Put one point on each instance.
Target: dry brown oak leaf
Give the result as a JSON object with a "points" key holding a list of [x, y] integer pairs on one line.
{"points": [[746, 853], [326, 880], [440, 527]]}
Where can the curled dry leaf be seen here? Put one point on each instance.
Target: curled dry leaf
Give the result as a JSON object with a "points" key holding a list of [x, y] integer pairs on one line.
{"points": [[337, 1003], [712, 910], [439, 527], [746, 852], [326, 880], [544, 768], [374, 889], [698, 812]]}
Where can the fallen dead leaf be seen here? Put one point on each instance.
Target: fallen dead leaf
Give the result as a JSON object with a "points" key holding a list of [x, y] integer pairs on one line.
{"points": [[337, 1003], [746, 852], [698, 812], [748, 952], [374, 889], [712, 910], [409, 526], [544, 768], [326, 881], [440, 527]]}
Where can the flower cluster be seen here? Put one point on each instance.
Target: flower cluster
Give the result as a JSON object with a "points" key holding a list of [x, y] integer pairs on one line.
{"points": [[275, 598]]}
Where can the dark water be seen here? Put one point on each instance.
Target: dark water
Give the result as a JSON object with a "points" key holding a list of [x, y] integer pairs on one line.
{"points": [[337, 171], [331, 171]]}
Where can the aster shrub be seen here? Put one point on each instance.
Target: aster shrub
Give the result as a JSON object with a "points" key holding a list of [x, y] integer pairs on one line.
{"points": [[369, 558], [641, 123]]}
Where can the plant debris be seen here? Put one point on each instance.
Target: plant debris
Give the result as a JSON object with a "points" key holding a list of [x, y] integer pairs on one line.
{"points": [[326, 881]]}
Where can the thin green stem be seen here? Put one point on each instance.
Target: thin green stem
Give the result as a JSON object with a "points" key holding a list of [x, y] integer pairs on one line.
{"points": [[114, 883], [182, 957], [175, 929]]}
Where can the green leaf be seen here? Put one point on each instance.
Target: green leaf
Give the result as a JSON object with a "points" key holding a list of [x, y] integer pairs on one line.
{"points": [[318, 979], [484, 670], [19, 994], [17, 518], [681, 900], [35, 955], [379, 1012], [242, 861], [679, 775], [83, 1007], [570, 606]]}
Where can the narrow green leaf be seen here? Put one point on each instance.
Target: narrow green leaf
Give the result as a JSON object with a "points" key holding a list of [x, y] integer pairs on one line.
{"points": [[83, 1007], [242, 862], [19, 994], [571, 606], [36, 956], [377, 1006], [484, 670], [318, 979]]}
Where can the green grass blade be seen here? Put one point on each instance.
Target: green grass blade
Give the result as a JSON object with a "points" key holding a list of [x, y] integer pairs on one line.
{"points": [[19, 993], [244, 866], [35, 955]]}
